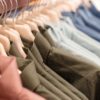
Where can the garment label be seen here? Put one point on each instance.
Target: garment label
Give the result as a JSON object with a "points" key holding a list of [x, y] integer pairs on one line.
{"points": [[19, 72], [96, 3]]}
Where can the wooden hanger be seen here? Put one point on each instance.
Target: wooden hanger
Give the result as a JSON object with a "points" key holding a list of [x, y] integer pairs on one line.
{"points": [[4, 40], [51, 14], [24, 30], [2, 50], [6, 43], [12, 35], [32, 25], [34, 19], [37, 17], [19, 21]]}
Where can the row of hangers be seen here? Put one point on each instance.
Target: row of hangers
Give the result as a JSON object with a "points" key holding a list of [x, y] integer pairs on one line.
{"points": [[21, 24], [13, 31]]}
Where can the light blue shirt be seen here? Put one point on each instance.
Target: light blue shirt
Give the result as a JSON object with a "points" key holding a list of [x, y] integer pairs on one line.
{"points": [[82, 39], [63, 40]]}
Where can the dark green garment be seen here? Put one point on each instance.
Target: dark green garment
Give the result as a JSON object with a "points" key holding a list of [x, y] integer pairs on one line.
{"points": [[49, 76], [53, 89], [43, 73], [75, 69], [55, 78], [46, 82], [44, 70], [30, 77]]}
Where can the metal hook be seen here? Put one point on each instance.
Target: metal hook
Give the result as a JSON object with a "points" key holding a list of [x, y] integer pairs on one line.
{"points": [[3, 19], [21, 11], [6, 11], [38, 5], [28, 1], [10, 11], [3, 10], [25, 8], [15, 12], [34, 7]]}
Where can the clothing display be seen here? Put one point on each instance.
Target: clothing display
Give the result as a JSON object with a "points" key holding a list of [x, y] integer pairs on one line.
{"points": [[50, 50]]}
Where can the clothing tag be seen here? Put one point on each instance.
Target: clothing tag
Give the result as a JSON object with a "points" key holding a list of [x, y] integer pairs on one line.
{"points": [[96, 3], [19, 72]]}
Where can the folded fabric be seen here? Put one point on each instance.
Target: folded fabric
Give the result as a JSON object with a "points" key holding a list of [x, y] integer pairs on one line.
{"points": [[29, 75], [78, 71], [47, 73], [50, 77]]}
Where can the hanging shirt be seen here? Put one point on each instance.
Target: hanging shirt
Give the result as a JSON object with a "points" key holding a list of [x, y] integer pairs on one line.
{"points": [[10, 83], [56, 32]]}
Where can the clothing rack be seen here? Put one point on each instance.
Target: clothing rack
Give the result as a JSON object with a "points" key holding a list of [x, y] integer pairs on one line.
{"points": [[49, 50], [21, 4]]}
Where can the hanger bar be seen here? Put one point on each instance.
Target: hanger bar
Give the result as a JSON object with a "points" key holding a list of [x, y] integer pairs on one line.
{"points": [[21, 3]]}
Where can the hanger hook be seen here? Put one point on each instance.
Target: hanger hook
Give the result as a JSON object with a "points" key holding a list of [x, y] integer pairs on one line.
{"points": [[15, 12], [28, 2], [23, 9], [34, 7], [2, 4], [10, 11], [28, 5], [4, 12]]}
